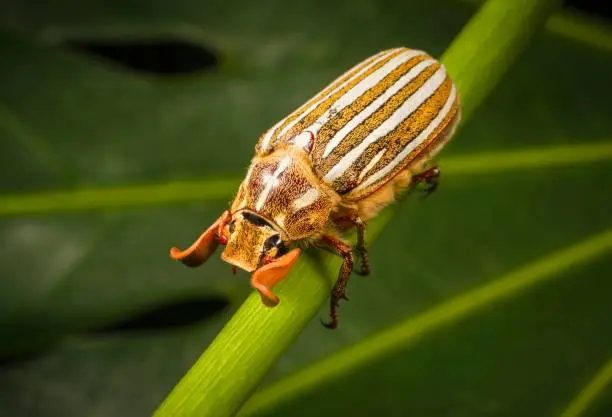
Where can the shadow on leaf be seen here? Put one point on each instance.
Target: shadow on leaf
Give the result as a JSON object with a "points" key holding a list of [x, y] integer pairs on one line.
{"points": [[162, 57], [166, 317]]}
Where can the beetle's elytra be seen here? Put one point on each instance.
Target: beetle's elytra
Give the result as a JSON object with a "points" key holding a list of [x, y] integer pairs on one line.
{"points": [[331, 165]]}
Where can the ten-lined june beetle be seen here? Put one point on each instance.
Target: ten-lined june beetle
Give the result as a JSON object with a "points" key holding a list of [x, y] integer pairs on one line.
{"points": [[331, 165]]}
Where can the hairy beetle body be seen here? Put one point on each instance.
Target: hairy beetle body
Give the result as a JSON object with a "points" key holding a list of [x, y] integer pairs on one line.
{"points": [[333, 164]]}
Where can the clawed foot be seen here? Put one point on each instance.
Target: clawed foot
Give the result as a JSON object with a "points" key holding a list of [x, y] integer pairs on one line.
{"points": [[333, 312]]}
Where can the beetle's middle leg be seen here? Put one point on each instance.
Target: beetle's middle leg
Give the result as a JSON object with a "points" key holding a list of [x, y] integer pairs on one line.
{"points": [[339, 291], [350, 221]]}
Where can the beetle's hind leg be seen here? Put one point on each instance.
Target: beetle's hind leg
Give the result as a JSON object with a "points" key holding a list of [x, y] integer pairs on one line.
{"points": [[429, 179], [339, 291]]}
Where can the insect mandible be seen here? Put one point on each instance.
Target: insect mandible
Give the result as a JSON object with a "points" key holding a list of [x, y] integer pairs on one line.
{"points": [[332, 165]]}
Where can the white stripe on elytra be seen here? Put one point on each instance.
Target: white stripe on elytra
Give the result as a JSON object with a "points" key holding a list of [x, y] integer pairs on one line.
{"points": [[361, 87], [335, 90], [413, 102], [413, 144], [303, 139], [377, 104], [268, 135], [375, 59], [371, 164], [306, 199], [271, 181]]}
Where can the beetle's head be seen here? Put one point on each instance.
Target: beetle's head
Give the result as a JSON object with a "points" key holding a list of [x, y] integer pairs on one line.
{"points": [[251, 241]]}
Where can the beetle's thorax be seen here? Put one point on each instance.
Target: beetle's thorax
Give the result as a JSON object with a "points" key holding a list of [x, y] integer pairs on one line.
{"points": [[282, 188]]}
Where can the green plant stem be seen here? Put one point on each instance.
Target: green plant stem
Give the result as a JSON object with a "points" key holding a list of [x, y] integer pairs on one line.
{"points": [[231, 368], [486, 47]]}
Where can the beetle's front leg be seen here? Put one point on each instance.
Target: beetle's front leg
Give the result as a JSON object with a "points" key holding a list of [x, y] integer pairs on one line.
{"points": [[339, 291], [429, 177]]}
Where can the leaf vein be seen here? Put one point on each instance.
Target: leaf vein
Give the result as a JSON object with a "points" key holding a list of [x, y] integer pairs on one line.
{"points": [[222, 189], [589, 393]]}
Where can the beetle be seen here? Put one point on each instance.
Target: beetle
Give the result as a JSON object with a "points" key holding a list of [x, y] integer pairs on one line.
{"points": [[332, 165]]}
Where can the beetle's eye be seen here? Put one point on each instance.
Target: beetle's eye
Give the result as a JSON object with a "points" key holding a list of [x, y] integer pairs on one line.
{"points": [[232, 226], [271, 242]]}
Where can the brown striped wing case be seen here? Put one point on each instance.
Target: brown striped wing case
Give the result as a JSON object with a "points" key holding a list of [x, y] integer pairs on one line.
{"points": [[389, 112]]}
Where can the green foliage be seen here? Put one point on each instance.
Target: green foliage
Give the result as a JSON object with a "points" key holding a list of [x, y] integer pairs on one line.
{"points": [[488, 298]]}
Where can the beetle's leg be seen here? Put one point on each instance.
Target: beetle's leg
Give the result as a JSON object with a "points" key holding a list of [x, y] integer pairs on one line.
{"points": [[429, 177], [361, 248], [204, 246], [339, 291], [268, 275], [353, 220]]}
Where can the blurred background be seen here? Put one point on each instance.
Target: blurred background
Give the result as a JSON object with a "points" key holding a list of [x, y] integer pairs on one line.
{"points": [[125, 126]]}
